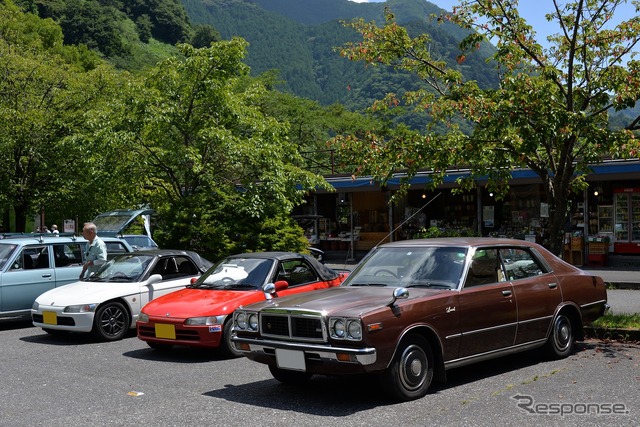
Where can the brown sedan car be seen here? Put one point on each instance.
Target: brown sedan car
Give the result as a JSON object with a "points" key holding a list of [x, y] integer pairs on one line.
{"points": [[413, 309]]}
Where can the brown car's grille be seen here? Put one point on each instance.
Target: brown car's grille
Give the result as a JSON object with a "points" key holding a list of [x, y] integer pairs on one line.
{"points": [[292, 326]]}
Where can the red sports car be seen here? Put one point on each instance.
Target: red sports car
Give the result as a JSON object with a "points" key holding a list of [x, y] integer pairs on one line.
{"points": [[200, 314]]}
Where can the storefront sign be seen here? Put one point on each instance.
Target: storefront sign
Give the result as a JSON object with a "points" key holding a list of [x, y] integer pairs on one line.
{"points": [[69, 226], [544, 210]]}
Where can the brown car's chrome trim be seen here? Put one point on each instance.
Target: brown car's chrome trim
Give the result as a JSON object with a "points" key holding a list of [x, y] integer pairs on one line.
{"points": [[602, 301], [477, 331], [536, 319], [364, 356], [492, 354]]}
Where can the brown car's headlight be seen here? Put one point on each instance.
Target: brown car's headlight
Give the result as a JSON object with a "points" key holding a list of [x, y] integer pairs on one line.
{"points": [[345, 328], [245, 321]]}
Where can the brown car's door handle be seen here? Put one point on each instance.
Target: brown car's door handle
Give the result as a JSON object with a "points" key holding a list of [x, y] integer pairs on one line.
{"points": [[506, 293], [553, 285]]}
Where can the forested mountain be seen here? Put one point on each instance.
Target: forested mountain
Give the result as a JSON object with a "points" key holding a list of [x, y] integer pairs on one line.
{"points": [[300, 38]]}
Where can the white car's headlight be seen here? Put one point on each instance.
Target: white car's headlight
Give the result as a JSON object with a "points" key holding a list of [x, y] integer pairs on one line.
{"points": [[205, 321], [344, 328], [35, 305], [82, 308], [143, 317]]}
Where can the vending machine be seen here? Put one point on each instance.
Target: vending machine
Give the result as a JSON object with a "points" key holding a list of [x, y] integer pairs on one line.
{"points": [[627, 220]]}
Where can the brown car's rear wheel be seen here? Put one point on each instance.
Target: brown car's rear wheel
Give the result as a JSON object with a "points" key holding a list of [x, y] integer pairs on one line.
{"points": [[411, 371], [562, 338]]}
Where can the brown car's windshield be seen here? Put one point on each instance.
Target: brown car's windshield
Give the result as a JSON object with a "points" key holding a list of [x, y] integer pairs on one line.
{"points": [[428, 266]]}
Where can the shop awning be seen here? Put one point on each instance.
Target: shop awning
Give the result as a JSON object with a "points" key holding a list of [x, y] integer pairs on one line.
{"points": [[606, 171]]}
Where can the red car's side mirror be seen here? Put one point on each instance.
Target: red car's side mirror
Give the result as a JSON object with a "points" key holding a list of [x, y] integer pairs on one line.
{"points": [[281, 285]]}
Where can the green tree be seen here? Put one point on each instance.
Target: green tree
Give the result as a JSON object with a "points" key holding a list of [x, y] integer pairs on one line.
{"points": [[144, 27], [204, 35], [549, 114], [170, 21], [311, 125], [47, 93], [216, 166]]}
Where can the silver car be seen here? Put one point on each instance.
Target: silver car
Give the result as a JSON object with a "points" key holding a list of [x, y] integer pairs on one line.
{"points": [[31, 264]]}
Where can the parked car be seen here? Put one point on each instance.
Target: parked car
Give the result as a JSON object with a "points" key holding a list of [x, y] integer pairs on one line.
{"points": [[139, 242], [31, 264], [108, 303], [115, 223], [199, 315], [413, 309]]}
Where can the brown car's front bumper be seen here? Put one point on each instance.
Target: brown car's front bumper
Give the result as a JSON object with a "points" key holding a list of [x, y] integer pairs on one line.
{"points": [[319, 358]]}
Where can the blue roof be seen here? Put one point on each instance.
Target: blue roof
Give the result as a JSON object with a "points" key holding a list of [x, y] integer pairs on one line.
{"points": [[613, 167]]}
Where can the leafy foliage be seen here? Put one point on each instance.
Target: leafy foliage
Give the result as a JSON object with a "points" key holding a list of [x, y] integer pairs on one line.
{"points": [[436, 232], [219, 167], [48, 91], [549, 114], [128, 34]]}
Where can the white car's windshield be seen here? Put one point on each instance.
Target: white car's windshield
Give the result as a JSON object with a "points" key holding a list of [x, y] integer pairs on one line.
{"points": [[428, 266], [124, 268]]}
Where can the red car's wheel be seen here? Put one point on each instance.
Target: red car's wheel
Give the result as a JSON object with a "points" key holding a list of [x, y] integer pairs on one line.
{"points": [[226, 346]]}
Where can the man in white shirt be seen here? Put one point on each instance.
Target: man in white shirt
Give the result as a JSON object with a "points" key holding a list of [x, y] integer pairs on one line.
{"points": [[96, 254]]}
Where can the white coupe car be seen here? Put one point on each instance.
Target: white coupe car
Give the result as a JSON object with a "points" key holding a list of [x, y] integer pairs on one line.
{"points": [[107, 304]]}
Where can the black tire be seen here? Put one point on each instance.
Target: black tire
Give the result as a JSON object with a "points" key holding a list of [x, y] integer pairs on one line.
{"points": [[411, 371], [286, 376], [111, 322], [159, 346], [561, 339], [227, 348]]}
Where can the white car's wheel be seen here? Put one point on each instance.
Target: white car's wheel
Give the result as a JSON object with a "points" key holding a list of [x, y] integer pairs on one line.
{"points": [[111, 322]]}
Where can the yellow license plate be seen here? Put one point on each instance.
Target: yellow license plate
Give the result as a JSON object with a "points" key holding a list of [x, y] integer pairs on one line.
{"points": [[50, 317], [165, 331]]}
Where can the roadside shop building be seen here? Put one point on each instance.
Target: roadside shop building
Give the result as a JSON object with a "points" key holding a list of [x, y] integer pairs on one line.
{"points": [[358, 215]]}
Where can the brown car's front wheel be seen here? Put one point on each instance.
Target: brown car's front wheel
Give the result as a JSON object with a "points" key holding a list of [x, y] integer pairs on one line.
{"points": [[411, 371]]}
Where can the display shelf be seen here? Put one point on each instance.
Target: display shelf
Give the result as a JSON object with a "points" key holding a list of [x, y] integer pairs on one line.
{"points": [[605, 219]]}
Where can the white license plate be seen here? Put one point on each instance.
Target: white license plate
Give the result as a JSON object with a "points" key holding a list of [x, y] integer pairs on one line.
{"points": [[290, 359]]}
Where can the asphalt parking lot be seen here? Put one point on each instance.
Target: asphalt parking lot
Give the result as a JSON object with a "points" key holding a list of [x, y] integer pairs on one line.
{"points": [[73, 381]]}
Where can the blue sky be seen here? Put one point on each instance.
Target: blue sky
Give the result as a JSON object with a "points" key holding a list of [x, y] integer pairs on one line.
{"points": [[532, 10]]}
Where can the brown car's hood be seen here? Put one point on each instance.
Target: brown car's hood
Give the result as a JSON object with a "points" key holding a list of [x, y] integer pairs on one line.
{"points": [[346, 300]]}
